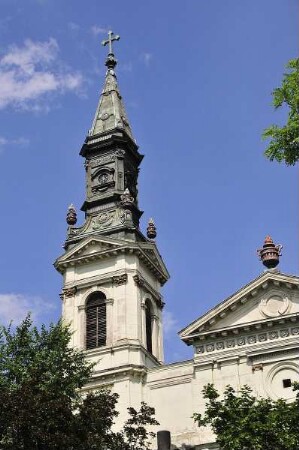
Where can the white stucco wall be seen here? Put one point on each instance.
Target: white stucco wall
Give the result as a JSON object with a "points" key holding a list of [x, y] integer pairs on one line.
{"points": [[254, 342]]}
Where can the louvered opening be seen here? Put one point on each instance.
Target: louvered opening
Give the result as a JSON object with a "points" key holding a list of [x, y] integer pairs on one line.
{"points": [[148, 324], [96, 320]]}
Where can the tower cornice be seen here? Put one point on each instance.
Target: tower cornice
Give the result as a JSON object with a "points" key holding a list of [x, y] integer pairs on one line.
{"points": [[106, 248]]}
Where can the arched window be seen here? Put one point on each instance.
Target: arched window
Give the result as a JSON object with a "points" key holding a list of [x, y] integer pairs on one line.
{"points": [[148, 326], [96, 320]]}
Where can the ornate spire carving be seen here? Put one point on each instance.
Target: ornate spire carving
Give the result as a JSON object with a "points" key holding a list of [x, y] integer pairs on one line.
{"points": [[71, 216], [112, 163], [269, 254], [110, 114], [126, 199]]}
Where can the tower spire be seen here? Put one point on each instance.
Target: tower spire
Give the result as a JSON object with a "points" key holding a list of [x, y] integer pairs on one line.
{"points": [[112, 271], [112, 164], [110, 114]]}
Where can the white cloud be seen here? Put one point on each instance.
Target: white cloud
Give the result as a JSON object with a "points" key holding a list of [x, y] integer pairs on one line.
{"points": [[30, 73], [169, 323], [31, 54], [125, 67], [21, 141], [73, 26], [15, 307], [146, 58], [96, 31]]}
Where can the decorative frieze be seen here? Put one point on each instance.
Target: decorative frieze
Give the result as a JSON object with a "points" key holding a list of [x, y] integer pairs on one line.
{"points": [[102, 160], [230, 343], [103, 220], [273, 334], [118, 280], [240, 341], [108, 158], [262, 337], [251, 339]]}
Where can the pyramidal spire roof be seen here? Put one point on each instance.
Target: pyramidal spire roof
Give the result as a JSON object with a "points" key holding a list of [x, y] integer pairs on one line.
{"points": [[110, 113]]}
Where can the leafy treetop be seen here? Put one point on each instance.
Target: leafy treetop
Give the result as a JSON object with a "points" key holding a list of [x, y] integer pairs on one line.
{"points": [[284, 144], [41, 405], [242, 421]]}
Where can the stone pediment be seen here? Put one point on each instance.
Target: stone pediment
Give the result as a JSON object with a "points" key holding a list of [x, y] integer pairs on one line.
{"points": [[88, 248], [93, 248], [271, 297]]}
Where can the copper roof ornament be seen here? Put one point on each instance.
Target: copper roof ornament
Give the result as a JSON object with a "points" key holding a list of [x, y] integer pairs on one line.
{"points": [[270, 253], [151, 230], [71, 217]]}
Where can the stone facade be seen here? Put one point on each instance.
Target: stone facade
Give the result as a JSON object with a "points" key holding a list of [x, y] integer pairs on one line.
{"points": [[250, 338]]}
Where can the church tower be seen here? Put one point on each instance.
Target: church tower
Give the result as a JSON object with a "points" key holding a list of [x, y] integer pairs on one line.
{"points": [[112, 273]]}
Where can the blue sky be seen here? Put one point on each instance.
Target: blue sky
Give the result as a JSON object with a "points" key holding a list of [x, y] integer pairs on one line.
{"points": [[196, 77]]}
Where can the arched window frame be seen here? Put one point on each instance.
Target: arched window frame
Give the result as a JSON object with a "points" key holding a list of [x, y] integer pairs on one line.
{"points": [[96, 320]]}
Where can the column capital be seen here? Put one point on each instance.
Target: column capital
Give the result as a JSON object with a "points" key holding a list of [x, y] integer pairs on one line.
{"points": [[68, 292]]}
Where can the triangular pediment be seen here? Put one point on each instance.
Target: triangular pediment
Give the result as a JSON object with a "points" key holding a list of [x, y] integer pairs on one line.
{"points": [[271, 296], [89, 247], [93, 248]]}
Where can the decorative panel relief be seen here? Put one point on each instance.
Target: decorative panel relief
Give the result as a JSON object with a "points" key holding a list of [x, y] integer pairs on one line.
{"points": [[240, 341], [275, 304]]}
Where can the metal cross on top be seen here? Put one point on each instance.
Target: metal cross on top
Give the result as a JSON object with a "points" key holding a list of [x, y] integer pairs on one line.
{"points": [[109, 41]]}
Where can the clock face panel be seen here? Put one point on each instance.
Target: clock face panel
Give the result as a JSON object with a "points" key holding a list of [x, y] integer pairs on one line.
{"points": [[103, 178]]}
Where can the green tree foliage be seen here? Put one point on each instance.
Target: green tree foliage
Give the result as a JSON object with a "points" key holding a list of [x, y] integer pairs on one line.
{"points": [[41, 406], [135, 430], [244, 422], [284, 144]]}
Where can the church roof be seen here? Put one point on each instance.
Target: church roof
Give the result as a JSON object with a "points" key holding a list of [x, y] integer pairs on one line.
{"points": [[208, 322]]}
